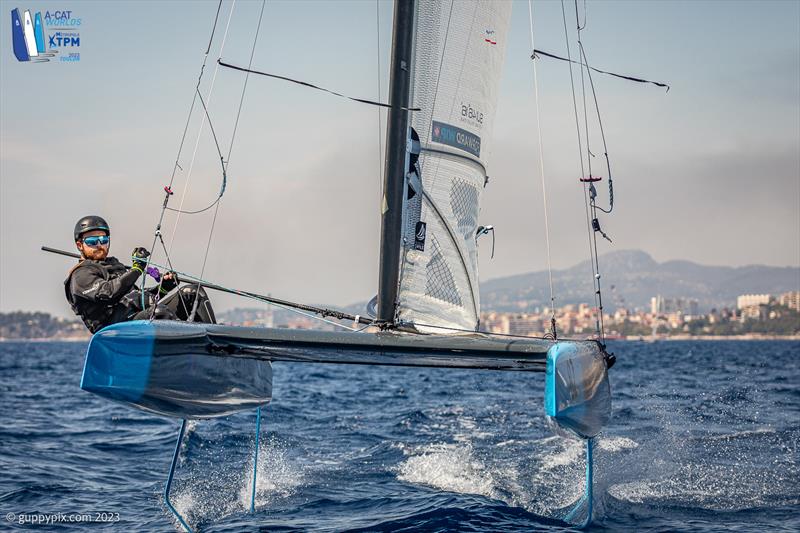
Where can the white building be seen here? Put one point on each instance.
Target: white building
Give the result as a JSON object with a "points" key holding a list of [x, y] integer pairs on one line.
{"points": [[687, 306], [748, 300], [791, 300]]}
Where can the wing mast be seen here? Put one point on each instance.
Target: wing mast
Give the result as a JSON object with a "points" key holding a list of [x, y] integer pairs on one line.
{"points": [[396, 159]]}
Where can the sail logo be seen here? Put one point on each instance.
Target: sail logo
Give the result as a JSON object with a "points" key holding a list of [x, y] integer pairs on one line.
{"points": [[31, 44], [456, 137], [419, 236], [489, 37], [470, 114]]}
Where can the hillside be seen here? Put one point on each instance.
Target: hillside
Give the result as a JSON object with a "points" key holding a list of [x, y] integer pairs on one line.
{"points": [[635, 278]]}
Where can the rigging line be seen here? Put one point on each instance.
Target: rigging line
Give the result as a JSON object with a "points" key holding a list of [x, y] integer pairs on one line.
{"points": [[580, 151], [593, 206], [154, 307], [199, 133], [303, 313], [599, 295], [537, 53], [577, 18], [246, 78], [542, 174], [183, 140], [230, 148], [194, 98], [487, 333], [205, 255], [222, 63], [167, 250], [284, 304], [602, 136], [211, 39], [589, 154], [270, 302], [572, 84], [222, 161], [380, 115]]}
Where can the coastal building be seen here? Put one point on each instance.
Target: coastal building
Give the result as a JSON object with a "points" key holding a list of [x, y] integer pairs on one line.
{"points": [[748, 300], [661, 305], [790, 300], [754, 312], [495, 323], [525, 324]]}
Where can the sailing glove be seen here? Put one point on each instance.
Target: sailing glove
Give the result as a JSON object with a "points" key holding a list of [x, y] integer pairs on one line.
{"points": [[139, 257], [169, 282]]}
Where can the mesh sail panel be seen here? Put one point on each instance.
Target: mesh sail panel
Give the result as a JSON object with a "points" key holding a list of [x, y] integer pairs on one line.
{"points": [[458, 59]]}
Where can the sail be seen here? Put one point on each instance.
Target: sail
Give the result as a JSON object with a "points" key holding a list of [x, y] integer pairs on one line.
{"points": [[458, 60]]}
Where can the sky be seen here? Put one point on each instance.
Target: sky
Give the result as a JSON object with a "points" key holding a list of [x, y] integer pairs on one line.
{"points": [[708, 172]]}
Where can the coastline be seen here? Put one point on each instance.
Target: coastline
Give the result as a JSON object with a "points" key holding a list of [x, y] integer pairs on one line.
{"points": [[630, 338], [744, 337]]}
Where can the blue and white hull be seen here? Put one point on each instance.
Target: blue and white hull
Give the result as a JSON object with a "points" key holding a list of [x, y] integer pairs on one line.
{"points": [[165, 368]]}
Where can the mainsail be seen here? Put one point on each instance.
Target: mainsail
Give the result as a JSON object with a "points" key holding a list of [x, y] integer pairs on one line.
{"points": [[457, 63]]}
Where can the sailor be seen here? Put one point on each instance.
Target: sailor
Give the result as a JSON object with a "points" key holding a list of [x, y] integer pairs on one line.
{"points": [[102, 290]]}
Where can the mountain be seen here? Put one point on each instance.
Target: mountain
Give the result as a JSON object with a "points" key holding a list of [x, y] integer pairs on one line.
{"points": [[631, 277]]}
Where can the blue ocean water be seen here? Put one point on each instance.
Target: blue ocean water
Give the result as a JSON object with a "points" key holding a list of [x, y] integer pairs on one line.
{"points": [[704, 437]]}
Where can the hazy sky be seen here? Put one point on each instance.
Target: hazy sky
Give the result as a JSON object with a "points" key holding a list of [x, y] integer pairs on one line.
{"points": [[708, 172]]}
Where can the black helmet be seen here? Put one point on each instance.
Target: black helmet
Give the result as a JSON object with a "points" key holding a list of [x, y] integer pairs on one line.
{"points": [[89, 223]]}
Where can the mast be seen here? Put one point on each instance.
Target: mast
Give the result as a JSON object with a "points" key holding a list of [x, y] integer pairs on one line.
{"points": [[396, 159]]}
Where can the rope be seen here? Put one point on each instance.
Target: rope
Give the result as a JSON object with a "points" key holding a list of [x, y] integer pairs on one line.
{"points": [[230, 148], [200, 131], [380, 92], [161, 281], [589, 154], [545, 337], [602, 133], [544, 183], [197, 95], [583, 172], [537, 53], [580, 151], [220, 62], [222, 161], [592, 194], [289, 306], [177, 165]]}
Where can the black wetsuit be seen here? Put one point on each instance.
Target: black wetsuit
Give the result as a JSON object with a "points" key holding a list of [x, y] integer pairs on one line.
{"points": [[104, 293]]}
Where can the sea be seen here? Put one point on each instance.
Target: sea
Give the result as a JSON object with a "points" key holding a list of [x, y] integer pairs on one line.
{"points": [[705, 436]]}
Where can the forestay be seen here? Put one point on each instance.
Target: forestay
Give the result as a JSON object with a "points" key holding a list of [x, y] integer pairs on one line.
{"points": [[458, 59]]}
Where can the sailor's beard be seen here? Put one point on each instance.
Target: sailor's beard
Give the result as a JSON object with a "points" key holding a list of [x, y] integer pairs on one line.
{"points": [[96, 254]]}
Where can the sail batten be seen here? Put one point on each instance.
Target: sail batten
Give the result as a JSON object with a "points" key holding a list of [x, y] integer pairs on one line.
{"points": [[458, 58]]}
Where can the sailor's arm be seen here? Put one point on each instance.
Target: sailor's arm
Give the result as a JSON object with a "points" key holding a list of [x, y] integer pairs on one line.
{"points": [[89, 284]]}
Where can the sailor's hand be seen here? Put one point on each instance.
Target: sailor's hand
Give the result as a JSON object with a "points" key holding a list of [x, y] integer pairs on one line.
{"points": [[139, 257], [169, 281]]}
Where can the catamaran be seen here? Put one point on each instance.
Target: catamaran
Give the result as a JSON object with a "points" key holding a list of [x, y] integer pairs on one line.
{"points": [[446, 63]]}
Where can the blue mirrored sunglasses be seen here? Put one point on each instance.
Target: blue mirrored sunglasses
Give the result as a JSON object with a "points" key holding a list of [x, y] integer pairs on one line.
{"points": [[96, 240]]}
